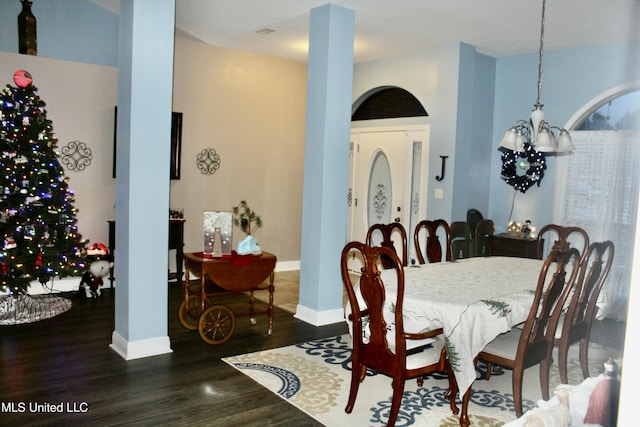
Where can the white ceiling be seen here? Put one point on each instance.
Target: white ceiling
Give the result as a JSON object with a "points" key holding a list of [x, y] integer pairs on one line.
{"points": [[386, 28]]}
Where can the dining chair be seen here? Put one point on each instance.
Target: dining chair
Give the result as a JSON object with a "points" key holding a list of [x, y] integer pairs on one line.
{"points": [[433, 248], [384, 341], [575, 325], [386, 232], [562, 238], [482, 237], [474, 216], [521, 348], [460, 240]]}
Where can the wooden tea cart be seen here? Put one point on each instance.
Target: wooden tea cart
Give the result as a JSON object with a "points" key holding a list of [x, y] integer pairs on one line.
{"points": [[222, 275]]}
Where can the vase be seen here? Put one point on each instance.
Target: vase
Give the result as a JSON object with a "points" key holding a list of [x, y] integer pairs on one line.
{"points": [[27, 39]]}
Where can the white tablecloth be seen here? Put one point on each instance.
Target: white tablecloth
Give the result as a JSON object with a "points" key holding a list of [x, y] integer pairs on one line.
{"points": [[474, 300]]}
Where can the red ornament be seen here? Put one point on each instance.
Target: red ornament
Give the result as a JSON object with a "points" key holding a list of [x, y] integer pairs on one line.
{"points": [[22, 78]]}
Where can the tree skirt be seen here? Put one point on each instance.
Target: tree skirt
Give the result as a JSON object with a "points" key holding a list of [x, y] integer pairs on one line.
{"points": [[15, 310]]}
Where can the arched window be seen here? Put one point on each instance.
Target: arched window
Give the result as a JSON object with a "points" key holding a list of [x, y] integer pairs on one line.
{"points": [[620, 113], [596, 186], [387, 103]]}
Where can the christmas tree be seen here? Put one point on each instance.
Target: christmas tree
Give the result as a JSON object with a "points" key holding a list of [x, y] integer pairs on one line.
{"points": [[38, 228]]}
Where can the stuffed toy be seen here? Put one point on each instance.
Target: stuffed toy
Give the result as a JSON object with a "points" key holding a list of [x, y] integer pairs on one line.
{"points": [[100, 262]]}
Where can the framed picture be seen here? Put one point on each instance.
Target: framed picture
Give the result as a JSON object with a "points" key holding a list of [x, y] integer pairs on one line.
{"points": [[218, 230], [176, 144]]}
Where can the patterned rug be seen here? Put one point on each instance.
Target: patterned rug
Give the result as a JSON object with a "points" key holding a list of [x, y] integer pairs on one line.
{"points": [[315, 377]]}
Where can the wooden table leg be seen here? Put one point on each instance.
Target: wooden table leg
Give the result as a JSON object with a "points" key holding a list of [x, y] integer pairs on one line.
{"points": [[271, 291], [464, 417]]}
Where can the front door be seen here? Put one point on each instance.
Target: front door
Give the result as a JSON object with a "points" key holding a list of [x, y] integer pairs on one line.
{"points": [[387, 179]]}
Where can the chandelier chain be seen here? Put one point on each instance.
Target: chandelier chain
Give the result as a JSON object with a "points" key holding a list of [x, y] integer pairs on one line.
{"points": [[540, 52]]}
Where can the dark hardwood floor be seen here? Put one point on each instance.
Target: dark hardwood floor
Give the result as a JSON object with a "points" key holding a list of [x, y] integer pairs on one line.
{"points": [[67, 360]]}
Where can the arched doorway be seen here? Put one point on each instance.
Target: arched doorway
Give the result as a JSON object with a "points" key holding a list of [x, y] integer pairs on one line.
{"points": [[388, 163]]}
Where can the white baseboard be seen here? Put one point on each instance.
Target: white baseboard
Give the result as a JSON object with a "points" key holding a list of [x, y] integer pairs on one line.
{"points": [[130, 350], [319, 318], [68, 284], [287, 265]]}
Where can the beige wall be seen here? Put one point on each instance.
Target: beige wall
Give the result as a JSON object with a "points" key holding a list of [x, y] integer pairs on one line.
{"points": [[80, 100], [249, 108]]}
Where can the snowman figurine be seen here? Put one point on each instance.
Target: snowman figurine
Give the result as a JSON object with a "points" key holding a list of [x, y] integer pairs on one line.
{"points": [[100, 262]]}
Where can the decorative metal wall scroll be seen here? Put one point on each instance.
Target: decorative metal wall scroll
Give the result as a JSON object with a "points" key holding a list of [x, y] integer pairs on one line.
{"points": [[76, 156], [208, 161]]}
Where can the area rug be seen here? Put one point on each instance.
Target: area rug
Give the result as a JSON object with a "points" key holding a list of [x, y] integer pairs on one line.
{"points": [[315, 378], [25, 308]]}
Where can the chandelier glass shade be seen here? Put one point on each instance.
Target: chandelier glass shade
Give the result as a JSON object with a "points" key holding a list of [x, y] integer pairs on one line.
{"points": [[536, 131]]}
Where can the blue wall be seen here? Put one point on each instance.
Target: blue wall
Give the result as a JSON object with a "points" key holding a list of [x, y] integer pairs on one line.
{"points": [[78, 30], [73, 30], [571, 80]]}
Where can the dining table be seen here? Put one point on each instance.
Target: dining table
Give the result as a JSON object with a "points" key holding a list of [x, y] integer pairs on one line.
{"points": [[473, 300]]}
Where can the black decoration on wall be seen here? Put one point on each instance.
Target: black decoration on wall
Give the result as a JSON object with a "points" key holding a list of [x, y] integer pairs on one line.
{"points": [[176, 144], [76, 156], [208, 161], [27, 35], [441, 176]]}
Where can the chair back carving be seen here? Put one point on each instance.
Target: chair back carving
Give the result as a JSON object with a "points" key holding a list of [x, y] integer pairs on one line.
{"points": [[560, 237], [387, 232], [433, 247], [557, 278], [594, 271], [582, 309], [381, 342], [460, 240], [367, 313]]}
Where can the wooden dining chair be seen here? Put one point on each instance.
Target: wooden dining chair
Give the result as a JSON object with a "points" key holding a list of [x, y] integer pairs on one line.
{"points": [[482, 238], [575, 325], [460, 240], [384, 341], [561, 237], [433, 247], [532, 344], [384, 234]]}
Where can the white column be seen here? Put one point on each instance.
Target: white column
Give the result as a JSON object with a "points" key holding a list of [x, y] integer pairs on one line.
{"points": [[145, 81], [326, 163]]}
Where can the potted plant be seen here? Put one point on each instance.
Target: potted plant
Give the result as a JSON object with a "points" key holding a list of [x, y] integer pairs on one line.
{"points": [[248, 221]]}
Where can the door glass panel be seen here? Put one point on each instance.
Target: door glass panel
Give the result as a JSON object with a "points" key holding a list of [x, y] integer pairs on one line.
{"points": [[379, 195]]}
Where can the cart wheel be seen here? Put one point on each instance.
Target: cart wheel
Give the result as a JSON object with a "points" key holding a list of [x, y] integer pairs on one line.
{"points": [[189, 313], [216, 325]]}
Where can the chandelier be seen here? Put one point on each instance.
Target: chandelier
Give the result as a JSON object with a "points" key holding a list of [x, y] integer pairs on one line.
{"points": [[536, 133]]}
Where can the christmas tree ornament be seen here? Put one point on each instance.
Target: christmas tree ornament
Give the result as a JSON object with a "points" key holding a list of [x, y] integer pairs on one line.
{"points": [[22, 78]]}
